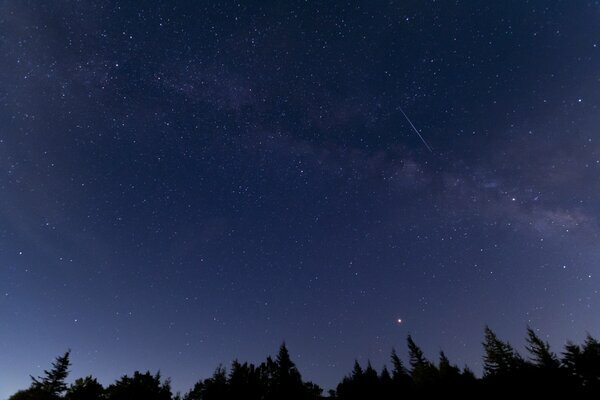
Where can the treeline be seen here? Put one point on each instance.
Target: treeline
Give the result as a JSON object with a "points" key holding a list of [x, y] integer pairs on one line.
{"points": [[506, 372]]}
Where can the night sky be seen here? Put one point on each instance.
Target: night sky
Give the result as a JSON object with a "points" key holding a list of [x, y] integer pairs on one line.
{"points": [[184, 183]]}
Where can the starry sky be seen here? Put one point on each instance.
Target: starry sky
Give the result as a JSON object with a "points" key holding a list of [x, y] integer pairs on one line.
{"points": [[183, 183]]}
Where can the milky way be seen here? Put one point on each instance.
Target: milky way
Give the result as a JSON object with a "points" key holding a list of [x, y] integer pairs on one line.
{"points": [[187, 183]]}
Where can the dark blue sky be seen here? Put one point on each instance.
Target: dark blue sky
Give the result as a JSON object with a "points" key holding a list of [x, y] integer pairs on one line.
{"points": [[183, 183]]}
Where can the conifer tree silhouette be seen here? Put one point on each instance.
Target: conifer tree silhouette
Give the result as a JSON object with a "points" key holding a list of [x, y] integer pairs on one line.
{"points": [[576, 373], [53, 383], [500, 359], [141, 386], [540, 352], [583, 364], [423, 372], [86, 388]]}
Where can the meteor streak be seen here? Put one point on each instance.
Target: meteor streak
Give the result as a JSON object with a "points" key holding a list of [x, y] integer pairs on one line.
{"points": [[415, 129]]}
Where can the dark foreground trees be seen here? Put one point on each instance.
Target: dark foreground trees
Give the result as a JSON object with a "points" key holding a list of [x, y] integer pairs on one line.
{"points": [[271, 380], [51, 386], [86, 388], [540, 373]]}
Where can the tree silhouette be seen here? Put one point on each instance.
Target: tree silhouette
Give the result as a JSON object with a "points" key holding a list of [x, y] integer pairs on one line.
{"points": [[401, 379], [468, 378], [140, 387], [540, 352], [30, 394], [500, 358], [576, 373], [86, 388], [449, 374], [287, 382], [386, 384], [417, 359], [371, 380], [244, 381], [286, 379], [398, 366], [211, 388], [51, 385], [544, 370], [353, 386], [583, 364], [53, 382], [357, 371], [272, 379], [423, 372]]}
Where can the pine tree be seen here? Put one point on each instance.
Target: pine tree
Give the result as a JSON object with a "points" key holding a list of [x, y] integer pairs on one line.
{"points": [[500, 358], [399, 370], [286, 381], [385, 376], [403, 382], [423, 372], [591, 361], [449, 374], [417, 359], [53, 382], [86, 388], [540, 352], [141, 386], [357, 371], [286, 371], [583, 363], [385, 387], [244, 381], [370, 375], [467, 376]]}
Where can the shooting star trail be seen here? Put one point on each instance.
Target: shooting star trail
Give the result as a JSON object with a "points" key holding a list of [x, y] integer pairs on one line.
{"points": [[415, 129]]}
